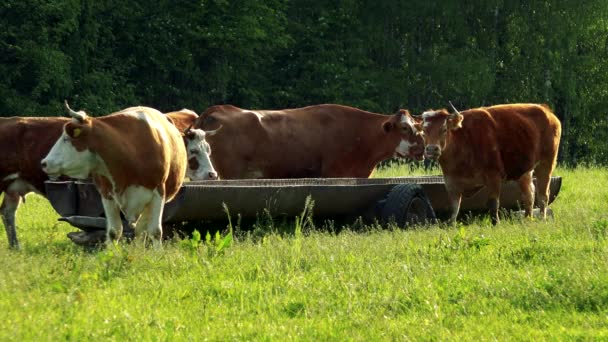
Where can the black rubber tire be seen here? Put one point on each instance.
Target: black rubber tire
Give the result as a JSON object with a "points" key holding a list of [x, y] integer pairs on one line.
{"points": [[406, 205]]}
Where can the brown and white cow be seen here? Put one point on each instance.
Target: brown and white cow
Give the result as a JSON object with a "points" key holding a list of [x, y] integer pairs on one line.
{"points": [[136, 158], [325, 140], [25, 141], [485, 146], [197, 148]]}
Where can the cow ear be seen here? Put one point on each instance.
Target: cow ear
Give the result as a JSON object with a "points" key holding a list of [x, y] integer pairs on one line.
{"points": [[455, 121], [387, 126], [73, 131]]}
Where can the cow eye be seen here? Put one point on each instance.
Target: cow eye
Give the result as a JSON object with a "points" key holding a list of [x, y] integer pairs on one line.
{"points": [[194, 152]]}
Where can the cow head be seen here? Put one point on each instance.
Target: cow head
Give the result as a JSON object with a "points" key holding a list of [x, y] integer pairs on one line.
{"points": [[70, 156], [411, 144], [437, 125], [199, 153]]}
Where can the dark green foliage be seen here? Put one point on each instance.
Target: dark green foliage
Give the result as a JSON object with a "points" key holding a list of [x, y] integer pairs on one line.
{"points": [[376, 55]]}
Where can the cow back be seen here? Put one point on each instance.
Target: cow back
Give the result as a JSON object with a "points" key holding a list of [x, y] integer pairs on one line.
{"points": [[141, 147], [316, 141]]}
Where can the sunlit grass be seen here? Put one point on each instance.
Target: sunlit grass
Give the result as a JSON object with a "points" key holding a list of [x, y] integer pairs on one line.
{"points": [[521, 280]]}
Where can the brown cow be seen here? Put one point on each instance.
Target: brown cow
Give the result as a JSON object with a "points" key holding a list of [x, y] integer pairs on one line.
{"points": [[24, 141], [136, 158], [317, 141], [484, 146]]}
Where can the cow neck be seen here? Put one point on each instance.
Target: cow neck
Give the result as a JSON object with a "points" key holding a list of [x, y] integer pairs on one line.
{"points": [[118, 140], [377, 147]]}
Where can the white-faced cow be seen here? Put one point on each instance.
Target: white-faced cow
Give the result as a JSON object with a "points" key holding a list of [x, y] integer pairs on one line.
{"points": [[200, 166], [136, 159], [197, 148], [24, 141], [317, 141], [485, 146]]}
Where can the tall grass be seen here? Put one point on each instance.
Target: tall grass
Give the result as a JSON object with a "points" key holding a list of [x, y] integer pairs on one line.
{"points": [[521, 280]]}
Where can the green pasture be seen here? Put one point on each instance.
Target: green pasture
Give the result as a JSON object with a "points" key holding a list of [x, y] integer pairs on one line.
{"points": [[521, 280]]}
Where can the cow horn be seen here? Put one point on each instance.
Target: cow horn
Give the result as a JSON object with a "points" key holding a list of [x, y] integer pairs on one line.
{"points": [[454, 108], [212, 133], [80, 116]]}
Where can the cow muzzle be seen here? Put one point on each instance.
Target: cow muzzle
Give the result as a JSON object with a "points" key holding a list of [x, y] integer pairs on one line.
{"points": [[432, 152], [49, 168]]}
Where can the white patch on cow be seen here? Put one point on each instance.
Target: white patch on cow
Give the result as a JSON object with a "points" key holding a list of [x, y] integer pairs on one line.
{"points": [[141, 113], [198, 148], [12, 176], [406, 119], [403, 149], [64, 159], [429, 114]]}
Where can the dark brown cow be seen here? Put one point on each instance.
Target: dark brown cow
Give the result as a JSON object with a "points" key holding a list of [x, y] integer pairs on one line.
{"points": [[24, 141], [484, 146], [317, 141], [136, 158]]}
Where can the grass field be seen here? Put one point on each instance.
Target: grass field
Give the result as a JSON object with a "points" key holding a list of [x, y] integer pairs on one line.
{"points": [[521, 280]]}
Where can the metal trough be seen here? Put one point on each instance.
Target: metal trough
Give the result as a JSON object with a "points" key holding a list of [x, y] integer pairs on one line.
{"points": [[79, 203]]}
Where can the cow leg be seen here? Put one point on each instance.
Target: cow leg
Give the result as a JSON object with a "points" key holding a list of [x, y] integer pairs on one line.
{"points": [[155, 230], [493, 203], [543, 178], [526, 185], [113, 221], [454, 196], [9, 206], [142, 224]]}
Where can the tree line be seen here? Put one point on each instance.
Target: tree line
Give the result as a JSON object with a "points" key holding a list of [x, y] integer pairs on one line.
{"points": [[105, 55]]}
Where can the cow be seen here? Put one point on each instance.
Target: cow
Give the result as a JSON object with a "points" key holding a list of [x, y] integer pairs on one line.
{"points": [[25, 141], [327, 140], [485, 146], [197, 148], [136, 158]]}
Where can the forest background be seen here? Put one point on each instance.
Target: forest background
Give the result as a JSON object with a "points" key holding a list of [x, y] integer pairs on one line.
{"points": [[105, 55]]}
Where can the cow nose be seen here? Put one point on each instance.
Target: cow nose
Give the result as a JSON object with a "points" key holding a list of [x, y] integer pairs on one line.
{"points": [[432, 149], [212, 175], [43, 164]]}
